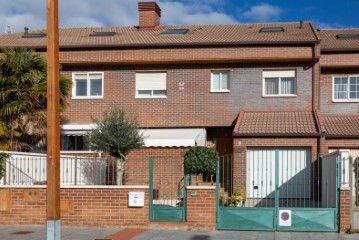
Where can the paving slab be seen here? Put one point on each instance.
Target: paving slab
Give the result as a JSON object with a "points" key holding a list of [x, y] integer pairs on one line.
{"points": [[67, 233], [88, 233]]}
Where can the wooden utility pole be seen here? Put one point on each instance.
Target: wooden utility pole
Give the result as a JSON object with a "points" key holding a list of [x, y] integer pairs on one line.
{"points": [[53, 122]]}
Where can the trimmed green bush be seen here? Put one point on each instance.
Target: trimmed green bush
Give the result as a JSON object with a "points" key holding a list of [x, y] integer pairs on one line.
{"points": [[201, 160]]}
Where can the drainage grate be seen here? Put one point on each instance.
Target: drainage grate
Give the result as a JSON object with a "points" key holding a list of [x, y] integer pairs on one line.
{"points": [[22, 232]]}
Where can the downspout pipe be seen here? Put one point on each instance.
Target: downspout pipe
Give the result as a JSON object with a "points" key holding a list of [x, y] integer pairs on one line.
{"points": [[315, 46]]}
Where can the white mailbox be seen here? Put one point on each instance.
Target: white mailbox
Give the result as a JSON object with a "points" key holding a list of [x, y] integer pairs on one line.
{"points": [[136, 199]]}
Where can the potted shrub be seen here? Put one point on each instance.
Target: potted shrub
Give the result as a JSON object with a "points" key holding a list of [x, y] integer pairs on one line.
{"points": [[236, 200]]}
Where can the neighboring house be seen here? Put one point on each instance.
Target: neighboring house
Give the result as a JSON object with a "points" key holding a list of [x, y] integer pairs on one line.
{"points": [[237, 85]]}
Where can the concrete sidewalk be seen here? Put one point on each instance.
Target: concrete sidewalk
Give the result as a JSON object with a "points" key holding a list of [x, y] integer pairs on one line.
{"points": [[82, 233], [67, 233]]}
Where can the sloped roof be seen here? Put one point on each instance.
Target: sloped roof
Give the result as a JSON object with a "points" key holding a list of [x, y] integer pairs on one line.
{"points": [[221, 34], [344, 126], [329, 40], [265, 123]]}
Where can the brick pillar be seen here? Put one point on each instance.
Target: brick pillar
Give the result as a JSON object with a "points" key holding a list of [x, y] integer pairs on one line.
{"points": [[344, 210], [201, 207]]}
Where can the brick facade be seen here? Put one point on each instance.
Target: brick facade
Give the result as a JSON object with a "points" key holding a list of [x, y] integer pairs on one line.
{"points": [[196, 105]]}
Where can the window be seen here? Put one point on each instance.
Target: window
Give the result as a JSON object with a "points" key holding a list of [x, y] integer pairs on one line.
{"points": [[220, 82], [271, 29], [87, 85], [346, 88], [151, 85], [279, 83], [175, 31], [73, 143]]}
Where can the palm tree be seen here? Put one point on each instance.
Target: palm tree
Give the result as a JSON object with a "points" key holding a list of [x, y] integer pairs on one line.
{"points": [[23, 87]]}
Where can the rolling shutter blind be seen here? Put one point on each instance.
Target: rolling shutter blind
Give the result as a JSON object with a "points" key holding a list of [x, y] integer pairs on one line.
{"points": [[279, 74], [150, 81]]}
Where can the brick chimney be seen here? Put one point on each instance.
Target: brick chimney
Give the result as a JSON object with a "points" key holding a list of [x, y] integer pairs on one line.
{"points": [[150, 14]]}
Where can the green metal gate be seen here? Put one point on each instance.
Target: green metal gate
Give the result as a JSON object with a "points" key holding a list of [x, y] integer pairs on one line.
{"points": [[167, 190], [278, 190]]}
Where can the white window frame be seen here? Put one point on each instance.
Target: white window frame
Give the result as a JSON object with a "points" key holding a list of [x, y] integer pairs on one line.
{"points": [[88, 86], [220, 82], [348, 89], [279, 74], [162, 87]]}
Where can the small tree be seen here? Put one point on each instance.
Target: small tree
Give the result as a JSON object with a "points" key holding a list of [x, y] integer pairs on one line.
{"points": [[117, 135], [201, 160]]}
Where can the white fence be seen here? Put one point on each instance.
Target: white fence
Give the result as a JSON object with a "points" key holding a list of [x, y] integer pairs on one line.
{"points": [[30, 168]]}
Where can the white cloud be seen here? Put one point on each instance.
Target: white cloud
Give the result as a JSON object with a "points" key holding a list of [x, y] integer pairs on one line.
{"points": [[324, 25], [96, 13], [263, 13], [195, 13]]}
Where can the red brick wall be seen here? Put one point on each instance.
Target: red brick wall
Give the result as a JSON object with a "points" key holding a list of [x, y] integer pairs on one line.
{"points": [[153, 55], [344, 210], [201, 209], [196, 105], [327, 106], [341, 59], [90, 207], [338, 144], [101, 207], [167, 164]]}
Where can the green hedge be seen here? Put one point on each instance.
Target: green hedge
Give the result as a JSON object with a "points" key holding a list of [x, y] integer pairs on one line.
{"points": [[201, 160]]}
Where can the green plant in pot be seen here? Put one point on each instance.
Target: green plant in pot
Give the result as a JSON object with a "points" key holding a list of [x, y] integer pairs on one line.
{"points": [[236, 200]]}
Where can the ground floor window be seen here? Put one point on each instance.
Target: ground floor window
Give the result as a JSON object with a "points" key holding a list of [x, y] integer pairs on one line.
{"points": [[73, 143]]}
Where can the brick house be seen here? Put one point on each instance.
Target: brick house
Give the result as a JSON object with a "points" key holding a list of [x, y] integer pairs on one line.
{"points": [[250, 89]]}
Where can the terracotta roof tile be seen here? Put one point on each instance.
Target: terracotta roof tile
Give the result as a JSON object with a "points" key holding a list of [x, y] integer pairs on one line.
{"points": [[329, 40], [276, 123], [197, 34], [340, 125]]}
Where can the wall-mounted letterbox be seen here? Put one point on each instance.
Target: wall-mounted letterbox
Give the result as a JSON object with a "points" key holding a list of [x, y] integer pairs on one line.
{"points": [[136, 199]]}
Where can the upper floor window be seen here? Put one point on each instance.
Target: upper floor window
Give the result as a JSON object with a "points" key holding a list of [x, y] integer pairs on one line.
{"points": [[151, 85], [220, 81], [87, 85], [346, 88], [279, 83]]}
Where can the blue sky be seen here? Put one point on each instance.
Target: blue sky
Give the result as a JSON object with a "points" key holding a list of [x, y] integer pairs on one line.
{"points": [[94, 13]]}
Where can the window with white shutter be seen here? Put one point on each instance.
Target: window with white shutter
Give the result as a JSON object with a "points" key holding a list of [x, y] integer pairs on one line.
{"points": [[279, 83], [151, 85]]}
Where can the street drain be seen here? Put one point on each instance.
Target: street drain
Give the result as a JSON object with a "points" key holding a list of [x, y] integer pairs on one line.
{"points": [[22, 232]]}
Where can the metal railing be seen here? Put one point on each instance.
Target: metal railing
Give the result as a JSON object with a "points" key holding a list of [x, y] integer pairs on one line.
{"points": [[30, 169]]}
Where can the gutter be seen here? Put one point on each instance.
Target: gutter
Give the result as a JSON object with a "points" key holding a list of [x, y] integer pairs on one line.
{"points": [[277, 134], [317, 120], [339, 50], [313, 76], [150, 45]]}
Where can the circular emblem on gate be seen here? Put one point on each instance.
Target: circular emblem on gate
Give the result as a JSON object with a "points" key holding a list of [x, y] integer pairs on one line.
{"points": [[284, 216]]}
